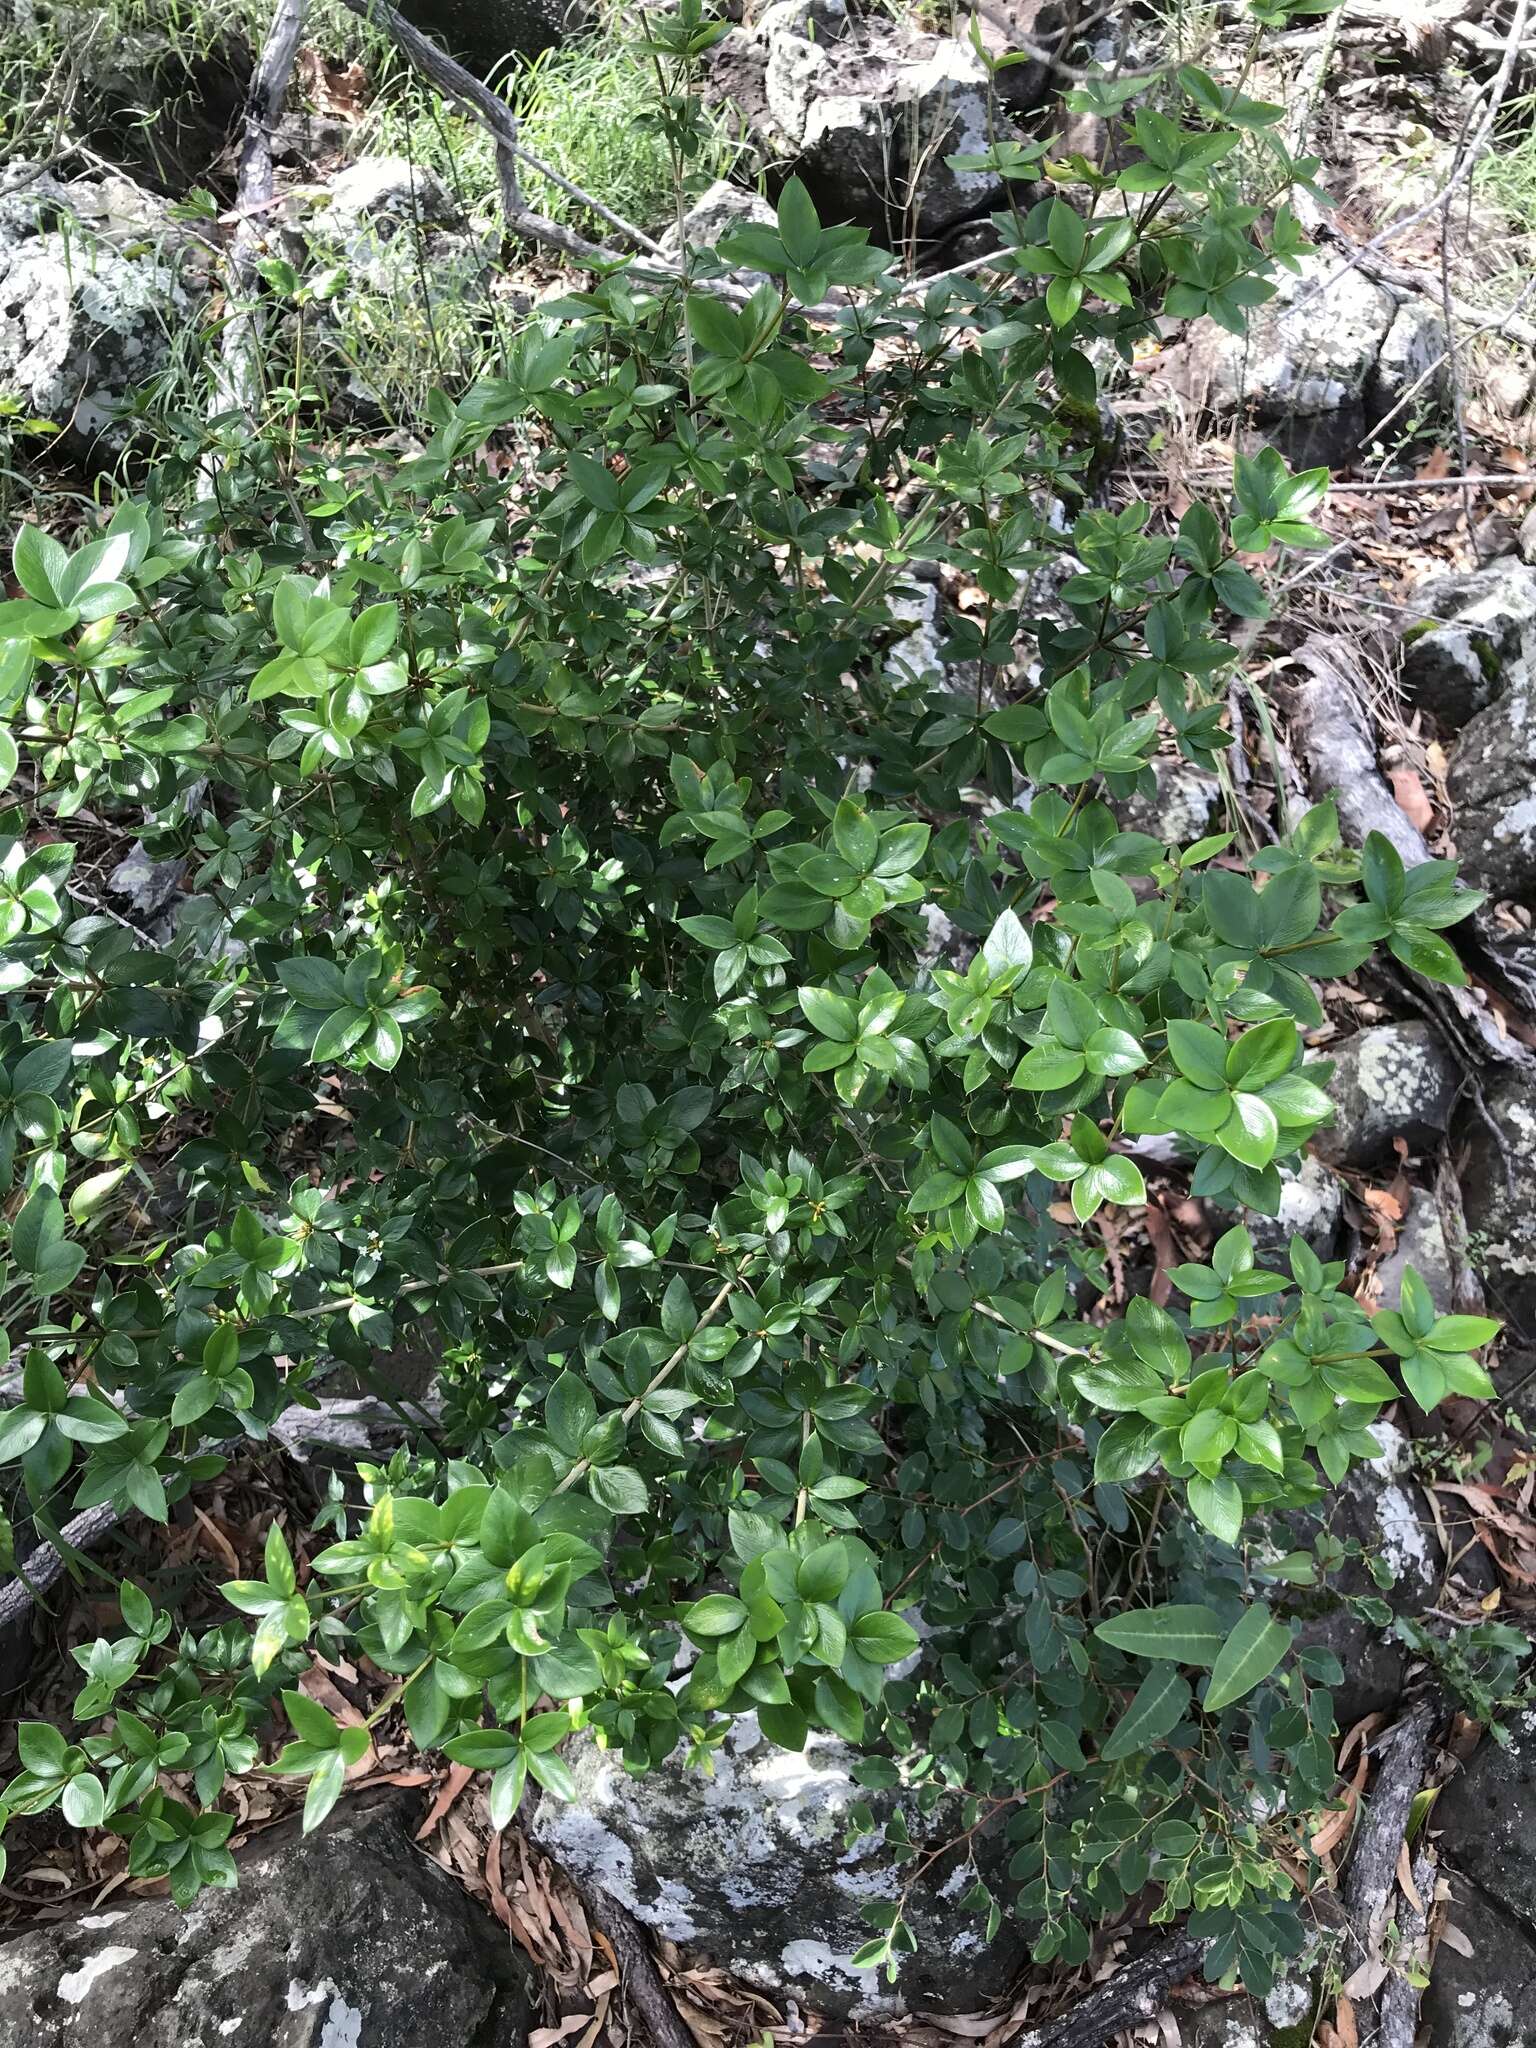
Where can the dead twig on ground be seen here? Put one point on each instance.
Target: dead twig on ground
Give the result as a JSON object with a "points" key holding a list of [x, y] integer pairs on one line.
{"points": [[1135, 1992], [639, 1978]]}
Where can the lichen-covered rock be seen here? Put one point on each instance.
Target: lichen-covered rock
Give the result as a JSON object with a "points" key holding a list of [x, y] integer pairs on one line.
{"points": [[1311, 1208], [867, 120], [1487, 1818], [1306, 367], [1486, 1999], [752, 1865], [1486, 646], [1496, 1190], [86, 314], [1492, 785], [349, 1938], [1391, 1081], [1381, 1510]]}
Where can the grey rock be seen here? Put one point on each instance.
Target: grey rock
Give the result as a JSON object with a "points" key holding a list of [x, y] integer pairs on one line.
{"points": [[1311, 1208], [1391, 1081], [84, 323], [941, 110], [1225, 2023], [817, 21], [1181, 810], [1496, 1184], [381, 195], [1492, 784], [714, 213], [868, 122], [1431, 1239], [1381, 1508], [798, 68], [751, 1866], [488, 36], [1487, 1999], [1486, 646], [1287, 2016], [1487, 1818], [159, 103], [350, 1938], [1526, 542], [1001, 23], [735, 81], [916, 653], [719, 209], [1306, 367], [1411, 369]]}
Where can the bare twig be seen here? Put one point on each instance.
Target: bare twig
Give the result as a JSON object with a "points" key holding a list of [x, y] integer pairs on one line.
{"points": [[492, 112], [240, 347], [1466, 161]]}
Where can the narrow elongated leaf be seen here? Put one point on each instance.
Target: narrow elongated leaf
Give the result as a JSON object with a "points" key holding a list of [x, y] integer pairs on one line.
{"points": [[1183, 1634], [1247, 1657], [1160, 1704]]}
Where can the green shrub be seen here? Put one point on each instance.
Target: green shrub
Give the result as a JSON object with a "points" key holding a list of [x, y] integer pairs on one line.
{"points": [[550, 993]]}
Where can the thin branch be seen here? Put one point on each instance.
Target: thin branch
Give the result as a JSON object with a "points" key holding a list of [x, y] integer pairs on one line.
{"points": [[488, 108], [1461, 170], [255, 194]]}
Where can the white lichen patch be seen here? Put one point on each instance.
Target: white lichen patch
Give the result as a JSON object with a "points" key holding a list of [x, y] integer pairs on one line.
{"points": [[1404, 1544], [75, 1985]]}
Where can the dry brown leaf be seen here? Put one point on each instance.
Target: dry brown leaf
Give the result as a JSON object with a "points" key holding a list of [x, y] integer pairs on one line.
{"points": [[1409, 794], [451, 1789], [1337, 1826], [222, 1547], [1365, 1980], [1164, 1251], [1405, 1880]]}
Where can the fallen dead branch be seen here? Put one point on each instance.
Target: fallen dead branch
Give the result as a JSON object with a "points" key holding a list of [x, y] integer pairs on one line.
{"points": [[353, 1427], [482, 105], [1371, 1884], [639, 1977], [1399, 2005], [1331, 732], [1134, 1993]]}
